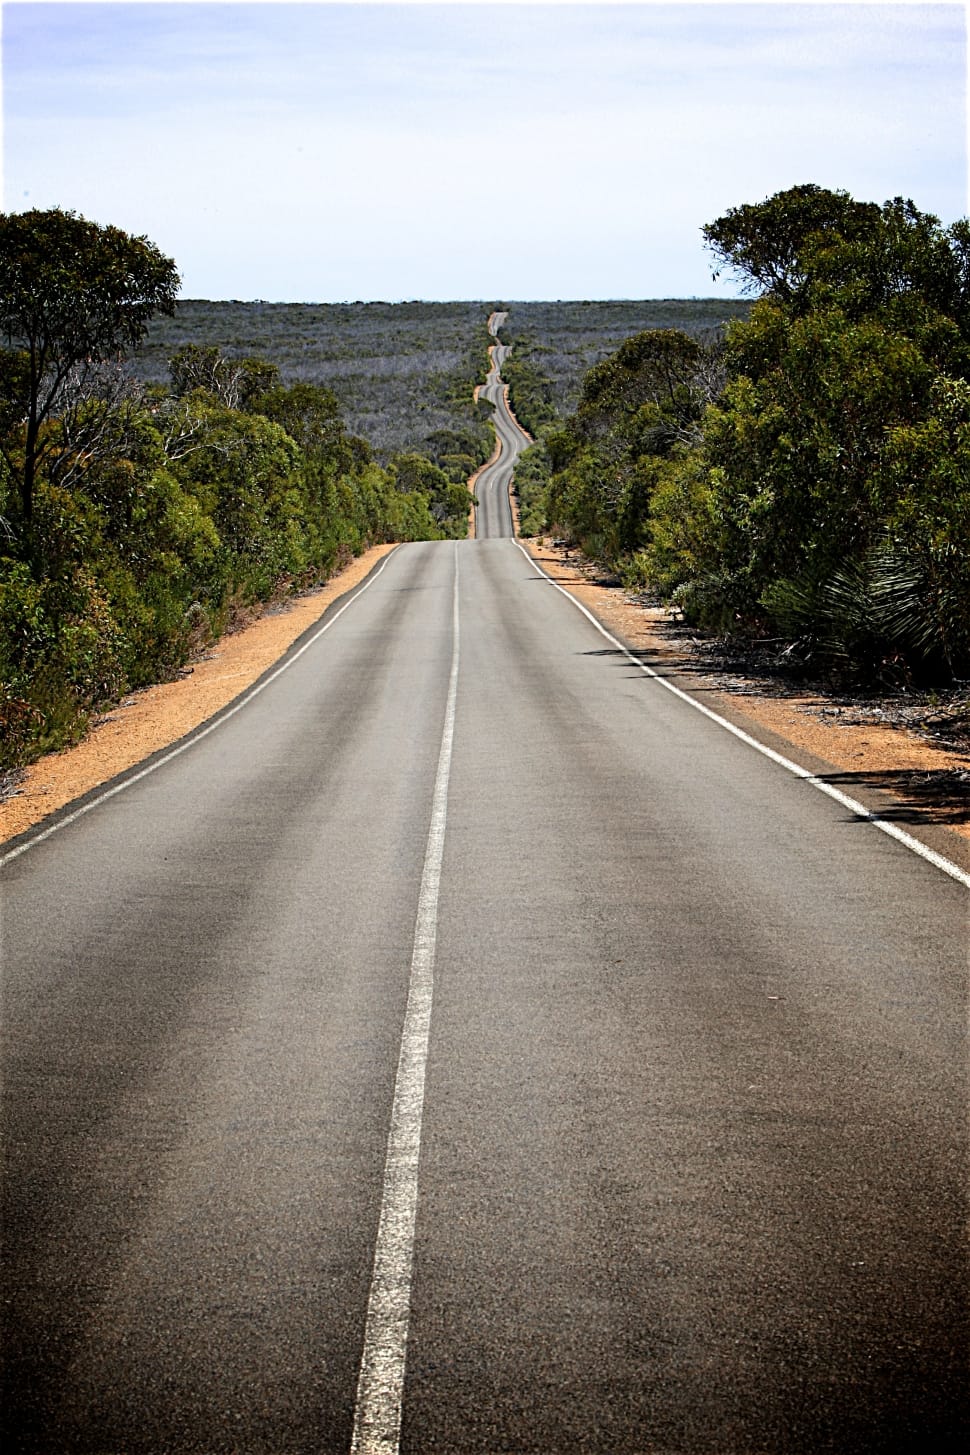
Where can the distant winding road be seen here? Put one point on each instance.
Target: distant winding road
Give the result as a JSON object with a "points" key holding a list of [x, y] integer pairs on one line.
{"points": [[493, 514], [467, 1045]]}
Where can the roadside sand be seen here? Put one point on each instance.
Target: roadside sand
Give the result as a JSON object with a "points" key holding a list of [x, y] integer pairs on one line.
{"points": [[922, 778], [157, 716]]}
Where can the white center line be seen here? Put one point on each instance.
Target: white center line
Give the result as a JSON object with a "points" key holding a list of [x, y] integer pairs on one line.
{"points": [[380, 1388]]}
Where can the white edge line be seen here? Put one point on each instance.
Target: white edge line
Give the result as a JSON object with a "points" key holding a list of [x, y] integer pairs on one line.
{"points": [[380, 1387], [855, 807], [196, 734]]}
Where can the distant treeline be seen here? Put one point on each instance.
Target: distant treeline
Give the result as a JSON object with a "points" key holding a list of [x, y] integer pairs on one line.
{"points": [[796, 466], [802, 475], [401, 372], [556, 344], [139, 519]]}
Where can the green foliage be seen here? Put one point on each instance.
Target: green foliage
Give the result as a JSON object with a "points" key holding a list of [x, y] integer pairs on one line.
{"points": [[770, 244], [449, 501], [531, 481], [682, 534], [161, 514], [72, 288], [657, 365], [308, 413], [799, 443], [72, 295], [812, 475], [60, 657], [867, 619], [461, 449], [531, 392], [637, 409], [840, 468]]}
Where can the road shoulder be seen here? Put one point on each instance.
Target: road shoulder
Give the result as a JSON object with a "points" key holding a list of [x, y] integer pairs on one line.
{"points": [[894, 772], [926, 789], [155, 717]]}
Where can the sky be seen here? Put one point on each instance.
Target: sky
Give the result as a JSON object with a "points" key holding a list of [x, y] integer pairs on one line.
{"points": [[326, 152]]}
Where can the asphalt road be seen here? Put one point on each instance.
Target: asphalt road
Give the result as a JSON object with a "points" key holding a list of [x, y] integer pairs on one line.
{"points": [[493, 514], [687, 1114]]}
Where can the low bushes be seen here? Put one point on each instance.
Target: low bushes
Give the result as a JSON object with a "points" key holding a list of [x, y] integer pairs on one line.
{"points": [[809, 476], [205, 512]]}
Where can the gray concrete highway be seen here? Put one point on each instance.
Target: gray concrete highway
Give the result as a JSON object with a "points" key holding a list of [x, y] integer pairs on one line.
{"points": [[674, 1159], [493, 514]]}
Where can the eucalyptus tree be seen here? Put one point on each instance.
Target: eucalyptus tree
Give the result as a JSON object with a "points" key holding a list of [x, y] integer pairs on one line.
{"points": [[840, 438], [74, 295]]}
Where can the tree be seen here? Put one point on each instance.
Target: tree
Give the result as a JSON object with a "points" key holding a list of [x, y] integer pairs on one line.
{"points": [[766, 242], [640, 406], [656, 367], [309, 413], [73, 295], [235, 382], [808, 248], [449, 503], [838, 469]]}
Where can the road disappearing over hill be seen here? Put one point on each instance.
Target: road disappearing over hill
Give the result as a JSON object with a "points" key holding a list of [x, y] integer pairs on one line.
{"points": [[465, 1007], [493, 514]]}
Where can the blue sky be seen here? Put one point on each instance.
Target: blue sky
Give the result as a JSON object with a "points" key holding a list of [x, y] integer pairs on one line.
{"points": [[323, 152]]}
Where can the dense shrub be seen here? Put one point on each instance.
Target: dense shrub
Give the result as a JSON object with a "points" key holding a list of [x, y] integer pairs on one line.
{"points": [[812, 475], [399, 372], [226, 491]]}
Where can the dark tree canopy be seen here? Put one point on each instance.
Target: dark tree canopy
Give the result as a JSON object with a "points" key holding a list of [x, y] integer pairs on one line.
{"points": [[840, 440], [656, 365], [765, 242], [73, 288], [808, 247], [73, 294]]}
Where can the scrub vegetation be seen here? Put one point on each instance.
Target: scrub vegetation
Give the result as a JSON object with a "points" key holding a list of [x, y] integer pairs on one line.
{"points": [[801, 476], [556, 344], [403, 374], [150, 500], [792, 467]]}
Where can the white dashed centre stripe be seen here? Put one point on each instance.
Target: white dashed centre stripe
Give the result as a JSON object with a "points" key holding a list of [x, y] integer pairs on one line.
{"points": [[380, 1388]]}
